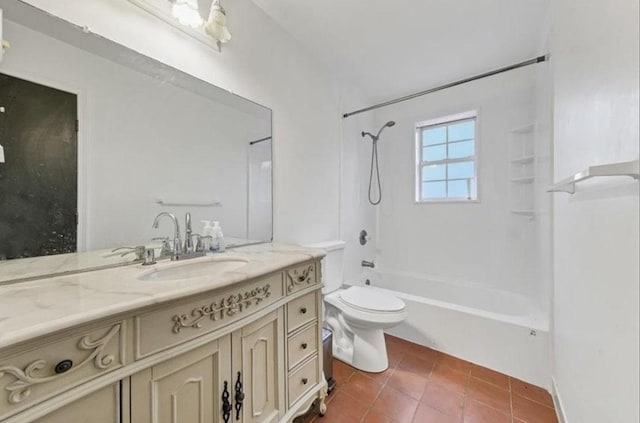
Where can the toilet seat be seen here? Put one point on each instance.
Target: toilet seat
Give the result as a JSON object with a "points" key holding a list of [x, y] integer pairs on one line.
{"points": [[360, 315], [365, 299]]}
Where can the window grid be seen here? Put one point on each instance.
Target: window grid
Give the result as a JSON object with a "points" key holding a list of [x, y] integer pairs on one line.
{"points": [[423, 163]]}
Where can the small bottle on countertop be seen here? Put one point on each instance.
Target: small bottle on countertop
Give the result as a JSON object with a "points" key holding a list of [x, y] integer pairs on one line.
{"points": [[217, 244], [207, 236]]}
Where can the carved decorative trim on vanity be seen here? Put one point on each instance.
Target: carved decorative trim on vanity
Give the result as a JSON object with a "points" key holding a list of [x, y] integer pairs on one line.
{"points": [[27, 377], [299, 277], [229, 306]]}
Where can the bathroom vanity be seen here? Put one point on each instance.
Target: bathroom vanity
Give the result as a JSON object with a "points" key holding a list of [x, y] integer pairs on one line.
{"points": [[231, 337]]}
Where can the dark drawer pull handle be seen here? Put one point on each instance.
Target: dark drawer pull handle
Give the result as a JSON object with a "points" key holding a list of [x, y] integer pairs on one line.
{"points": [[63, 366], [304, 345], [239, 396], [303, 310], [226, 404], [305, 380]]}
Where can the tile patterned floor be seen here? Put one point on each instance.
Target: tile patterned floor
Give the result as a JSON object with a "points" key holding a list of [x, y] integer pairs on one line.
{"points": [[425, 386]]}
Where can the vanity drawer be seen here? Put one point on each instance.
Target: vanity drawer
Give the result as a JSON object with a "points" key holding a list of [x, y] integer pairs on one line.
{"points": [[300, 277], [182, 321], [302, 311], [302, 345], [53, 365], [302, 380]]}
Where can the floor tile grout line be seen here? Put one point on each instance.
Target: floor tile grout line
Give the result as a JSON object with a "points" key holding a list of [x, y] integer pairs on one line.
{"points": [[377, 395], [491, 383], [466, 396], [535, 401], [511, 401], [492, 406], [424, 388]]}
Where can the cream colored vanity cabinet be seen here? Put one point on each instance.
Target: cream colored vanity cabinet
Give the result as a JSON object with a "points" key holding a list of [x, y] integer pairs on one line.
{"points": [[231, 379], [59, 366], [186, 388], [247, 352], [258, 369], [102, 406]]}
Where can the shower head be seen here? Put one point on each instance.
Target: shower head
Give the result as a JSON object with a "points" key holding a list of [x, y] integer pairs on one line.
{"points": [[375, 137]]}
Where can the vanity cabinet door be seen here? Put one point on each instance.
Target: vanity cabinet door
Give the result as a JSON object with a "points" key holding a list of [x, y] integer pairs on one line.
{"points": [[258, 362], [102, 406], [185, 389]]}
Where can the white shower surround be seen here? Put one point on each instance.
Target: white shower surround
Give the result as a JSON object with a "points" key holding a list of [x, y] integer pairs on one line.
{"points": [[498, 329]]}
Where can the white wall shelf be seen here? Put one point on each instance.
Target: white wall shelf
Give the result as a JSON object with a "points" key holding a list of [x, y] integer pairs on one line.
{"points": [[568, 185], [523, 160], [524, 212], [523, 180], [525, 129]]}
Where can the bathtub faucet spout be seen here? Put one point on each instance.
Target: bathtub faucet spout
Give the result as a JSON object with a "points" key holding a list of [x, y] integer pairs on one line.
{"points": [[366, 263]]}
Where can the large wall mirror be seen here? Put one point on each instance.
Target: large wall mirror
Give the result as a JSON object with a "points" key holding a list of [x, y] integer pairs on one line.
{"points": [[98, 140]]}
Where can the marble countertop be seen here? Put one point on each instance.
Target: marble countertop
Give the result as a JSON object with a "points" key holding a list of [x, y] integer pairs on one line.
{"points": [[39, 307], [61, 264]]}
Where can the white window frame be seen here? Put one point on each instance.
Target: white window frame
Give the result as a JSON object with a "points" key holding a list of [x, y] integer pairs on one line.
{"points": [[419, 163]]}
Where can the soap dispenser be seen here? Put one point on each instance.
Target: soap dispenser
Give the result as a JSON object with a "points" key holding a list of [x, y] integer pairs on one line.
{"points": [[207, 236], [218, 238]]}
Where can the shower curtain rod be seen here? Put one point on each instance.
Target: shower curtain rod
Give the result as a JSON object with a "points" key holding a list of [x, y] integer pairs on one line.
{"points": [[538, 59], [260, 140]]}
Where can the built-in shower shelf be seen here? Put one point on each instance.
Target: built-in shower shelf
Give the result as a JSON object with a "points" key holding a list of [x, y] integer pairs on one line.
{"points": [[523, 160], [523, 180], [524, 212], [525, 129], [630, 169]]}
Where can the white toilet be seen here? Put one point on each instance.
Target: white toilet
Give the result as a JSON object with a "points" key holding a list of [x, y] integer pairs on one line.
{"points": [[357, 315]]}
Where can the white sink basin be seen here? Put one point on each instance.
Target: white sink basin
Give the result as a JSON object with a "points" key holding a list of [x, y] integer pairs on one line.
{"points": [[195, 268]]}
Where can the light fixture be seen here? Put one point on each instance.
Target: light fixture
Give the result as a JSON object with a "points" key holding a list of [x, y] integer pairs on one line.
{"points": [[187, 13], [186, 16], [216, 26]]}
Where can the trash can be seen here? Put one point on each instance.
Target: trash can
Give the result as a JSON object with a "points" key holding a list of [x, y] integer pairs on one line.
{"points": [[327, 359]]}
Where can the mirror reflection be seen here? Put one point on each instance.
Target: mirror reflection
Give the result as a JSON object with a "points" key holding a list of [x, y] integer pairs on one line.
{"points": [[98, 140]]}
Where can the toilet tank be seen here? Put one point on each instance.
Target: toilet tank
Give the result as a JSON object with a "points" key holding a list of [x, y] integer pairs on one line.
{"points": [[331, 264]]}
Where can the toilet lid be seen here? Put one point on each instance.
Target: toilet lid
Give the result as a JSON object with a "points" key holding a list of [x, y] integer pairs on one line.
{"points": [[369, 299]]}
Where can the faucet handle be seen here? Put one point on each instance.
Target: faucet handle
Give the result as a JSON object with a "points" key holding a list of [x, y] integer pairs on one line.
{"points": [[199, 244], [167, 249], [149, 257]]}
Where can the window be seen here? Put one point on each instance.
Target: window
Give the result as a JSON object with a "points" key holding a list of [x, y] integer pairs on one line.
{"points": [[446, 159]]}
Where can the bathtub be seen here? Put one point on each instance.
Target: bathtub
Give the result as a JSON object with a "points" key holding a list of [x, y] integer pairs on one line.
{"points": [[497, 329]]}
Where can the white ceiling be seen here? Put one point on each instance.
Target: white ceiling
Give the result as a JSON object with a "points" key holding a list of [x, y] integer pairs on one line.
{"points": [[395, 47]]}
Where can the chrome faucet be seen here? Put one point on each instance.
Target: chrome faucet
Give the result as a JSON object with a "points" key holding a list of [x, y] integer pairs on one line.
{"points": [[188, 242], [366, 263], [177, 242], [178, 250]]}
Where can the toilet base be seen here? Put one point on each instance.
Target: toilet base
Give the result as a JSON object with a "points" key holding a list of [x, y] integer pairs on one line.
{"points": [[369, 351]]}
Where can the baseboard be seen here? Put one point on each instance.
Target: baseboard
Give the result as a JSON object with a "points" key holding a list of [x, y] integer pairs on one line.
{"points": [[557, 402]]}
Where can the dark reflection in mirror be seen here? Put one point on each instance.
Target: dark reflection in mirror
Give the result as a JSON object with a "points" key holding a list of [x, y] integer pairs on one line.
{"points": [[38, 179]]}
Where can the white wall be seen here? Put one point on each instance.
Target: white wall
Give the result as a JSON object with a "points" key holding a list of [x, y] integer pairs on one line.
{"points": [[356, 213], [481, 242], [595, 48], [264, 64], [260, 191], [140, 139]]}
